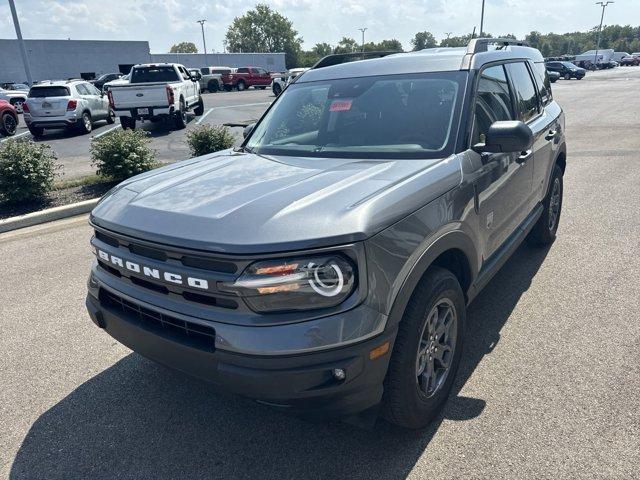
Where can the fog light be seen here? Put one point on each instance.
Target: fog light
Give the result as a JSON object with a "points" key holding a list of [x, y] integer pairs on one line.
{"points": [[339, 374]]}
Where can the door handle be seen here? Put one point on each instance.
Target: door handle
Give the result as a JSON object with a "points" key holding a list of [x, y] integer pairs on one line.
{"points": [[551, 135], [524, 156]]}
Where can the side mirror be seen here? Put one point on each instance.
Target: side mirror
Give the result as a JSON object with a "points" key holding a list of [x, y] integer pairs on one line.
{"points": [[506, 136], [248, 129]]}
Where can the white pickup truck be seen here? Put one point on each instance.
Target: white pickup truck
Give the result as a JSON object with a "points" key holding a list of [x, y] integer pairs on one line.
{"points": [[155, 92]]}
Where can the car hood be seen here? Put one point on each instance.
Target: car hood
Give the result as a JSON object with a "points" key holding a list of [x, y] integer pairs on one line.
{"points": [[245, 203]]}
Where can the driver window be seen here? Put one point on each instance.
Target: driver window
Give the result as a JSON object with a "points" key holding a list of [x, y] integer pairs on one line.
{"points": [[493, 102]]}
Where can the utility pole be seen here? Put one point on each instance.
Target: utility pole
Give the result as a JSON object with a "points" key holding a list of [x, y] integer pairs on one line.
{"points": [[482, 20], [603, 5], [204, 42], [363, 30], [23, 50]]}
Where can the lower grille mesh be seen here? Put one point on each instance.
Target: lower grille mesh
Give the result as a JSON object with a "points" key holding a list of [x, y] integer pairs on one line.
{"points": [[181, 331]]}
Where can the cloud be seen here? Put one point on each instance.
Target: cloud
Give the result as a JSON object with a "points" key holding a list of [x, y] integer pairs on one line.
{"points": [[165, 22]]}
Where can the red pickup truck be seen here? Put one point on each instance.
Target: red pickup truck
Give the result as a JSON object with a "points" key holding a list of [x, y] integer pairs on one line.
{"points": [[245, 77]]}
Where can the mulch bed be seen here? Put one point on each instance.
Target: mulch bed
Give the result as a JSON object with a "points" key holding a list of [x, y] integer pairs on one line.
{"points": [[56, 198]]}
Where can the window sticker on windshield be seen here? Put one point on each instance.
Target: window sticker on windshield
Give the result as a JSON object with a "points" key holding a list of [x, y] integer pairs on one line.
{"points": [[340, 105]]}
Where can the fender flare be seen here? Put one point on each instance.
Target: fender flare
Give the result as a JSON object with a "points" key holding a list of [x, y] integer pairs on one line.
{"points": [[454, 240]]}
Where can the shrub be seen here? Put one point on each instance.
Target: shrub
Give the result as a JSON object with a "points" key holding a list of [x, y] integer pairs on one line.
{"points": [[122, 154], [208, 139], [27, 170]]}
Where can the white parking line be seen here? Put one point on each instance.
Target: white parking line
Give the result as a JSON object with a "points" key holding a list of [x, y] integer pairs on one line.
{"points": [[229, 106], [106, 131], [16, 136]]}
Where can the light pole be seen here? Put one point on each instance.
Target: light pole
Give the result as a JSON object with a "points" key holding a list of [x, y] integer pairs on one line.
{"points": [[23, 50], [482, 20], [603, 5], [204, 42], [363, 30]]}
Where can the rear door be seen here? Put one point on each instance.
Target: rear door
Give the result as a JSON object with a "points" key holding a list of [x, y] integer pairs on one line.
{"points": [[101, 101], [48, 101]]}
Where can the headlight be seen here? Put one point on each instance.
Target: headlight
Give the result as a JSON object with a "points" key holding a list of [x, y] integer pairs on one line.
{"points": [[296, 284]]}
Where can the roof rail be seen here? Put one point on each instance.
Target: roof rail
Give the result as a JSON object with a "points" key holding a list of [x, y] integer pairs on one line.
{"points": [[477, 45], [339, 58]]}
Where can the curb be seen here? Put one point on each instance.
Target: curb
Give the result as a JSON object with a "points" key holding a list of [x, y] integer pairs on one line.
{"points": [[49, 215]]}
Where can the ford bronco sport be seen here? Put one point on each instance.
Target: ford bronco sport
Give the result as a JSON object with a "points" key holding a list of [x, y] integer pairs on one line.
{"points": [[325, 265]]}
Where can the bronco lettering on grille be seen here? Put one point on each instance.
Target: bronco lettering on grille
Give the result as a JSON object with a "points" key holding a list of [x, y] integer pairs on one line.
{"points": [[153, 272]]}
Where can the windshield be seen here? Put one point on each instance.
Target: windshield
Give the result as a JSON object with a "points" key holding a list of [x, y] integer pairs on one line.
{"points": [[391, 116], [154, 74], [41, 92]]}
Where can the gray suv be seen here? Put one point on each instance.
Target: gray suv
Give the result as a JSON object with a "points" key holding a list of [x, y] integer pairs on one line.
{"points": [[325, 266], [72, 104]]}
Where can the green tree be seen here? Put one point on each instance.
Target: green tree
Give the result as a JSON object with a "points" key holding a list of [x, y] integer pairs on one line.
{"points": [[184, 47], [322, 49], [422, 40], [347, 45], [264, 30]]}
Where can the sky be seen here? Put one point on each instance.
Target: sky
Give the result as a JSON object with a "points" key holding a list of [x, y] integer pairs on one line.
{"points": [[165, 22]]}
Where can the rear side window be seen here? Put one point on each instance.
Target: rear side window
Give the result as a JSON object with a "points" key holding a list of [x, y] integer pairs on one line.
{"points": [[82, 90], [154, 74], [41, 92], [524, 90], [544, 86], [493, 102]]}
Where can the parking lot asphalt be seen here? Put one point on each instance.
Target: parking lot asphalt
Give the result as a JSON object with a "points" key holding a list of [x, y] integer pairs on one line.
{"points": [[548, 387], [72, 149]]}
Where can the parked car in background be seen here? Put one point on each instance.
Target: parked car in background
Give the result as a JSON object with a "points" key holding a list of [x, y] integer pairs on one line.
{"points": [[632, 60], [212, 77], [14, 97], [155, 92], [567, 70], [9, 119], [617, 56], [553, 76], [245, 77], [107, 77], [119, 81], [15, 86], [280, 82], [71, 104]]}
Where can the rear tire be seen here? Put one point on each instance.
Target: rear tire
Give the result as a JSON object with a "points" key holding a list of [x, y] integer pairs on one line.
{"points": [[180, 117], [37, 132], [199, 108], [567, 76], [8, 125], [545, 229], [418, 383], [262, 88], [128, 123], [111, 117], [241, 86], [84, 124], [277, 89]]}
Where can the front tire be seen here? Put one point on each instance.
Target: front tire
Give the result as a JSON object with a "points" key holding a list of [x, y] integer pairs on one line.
{"points": [[427, 351], [8, 125], [180, 117], [545, 229], [213, 86], [277, 89], [241, 86], [567, 76]]}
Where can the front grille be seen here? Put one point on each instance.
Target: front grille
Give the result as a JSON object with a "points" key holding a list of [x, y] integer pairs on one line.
{"points": [[214, 268], [181, 331]]}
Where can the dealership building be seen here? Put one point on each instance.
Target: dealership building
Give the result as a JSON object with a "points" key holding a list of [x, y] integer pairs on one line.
{"points": [[62, 59]]}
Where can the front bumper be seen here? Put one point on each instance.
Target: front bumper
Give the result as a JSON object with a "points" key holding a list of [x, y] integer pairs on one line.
{"points": [[302, 383]]}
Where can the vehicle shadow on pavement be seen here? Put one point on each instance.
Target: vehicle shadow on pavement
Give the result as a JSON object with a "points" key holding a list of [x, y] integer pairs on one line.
{"points": [[137, 420]]}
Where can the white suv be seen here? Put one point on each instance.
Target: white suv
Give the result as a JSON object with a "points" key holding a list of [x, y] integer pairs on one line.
{"points": [[65, 104]]}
